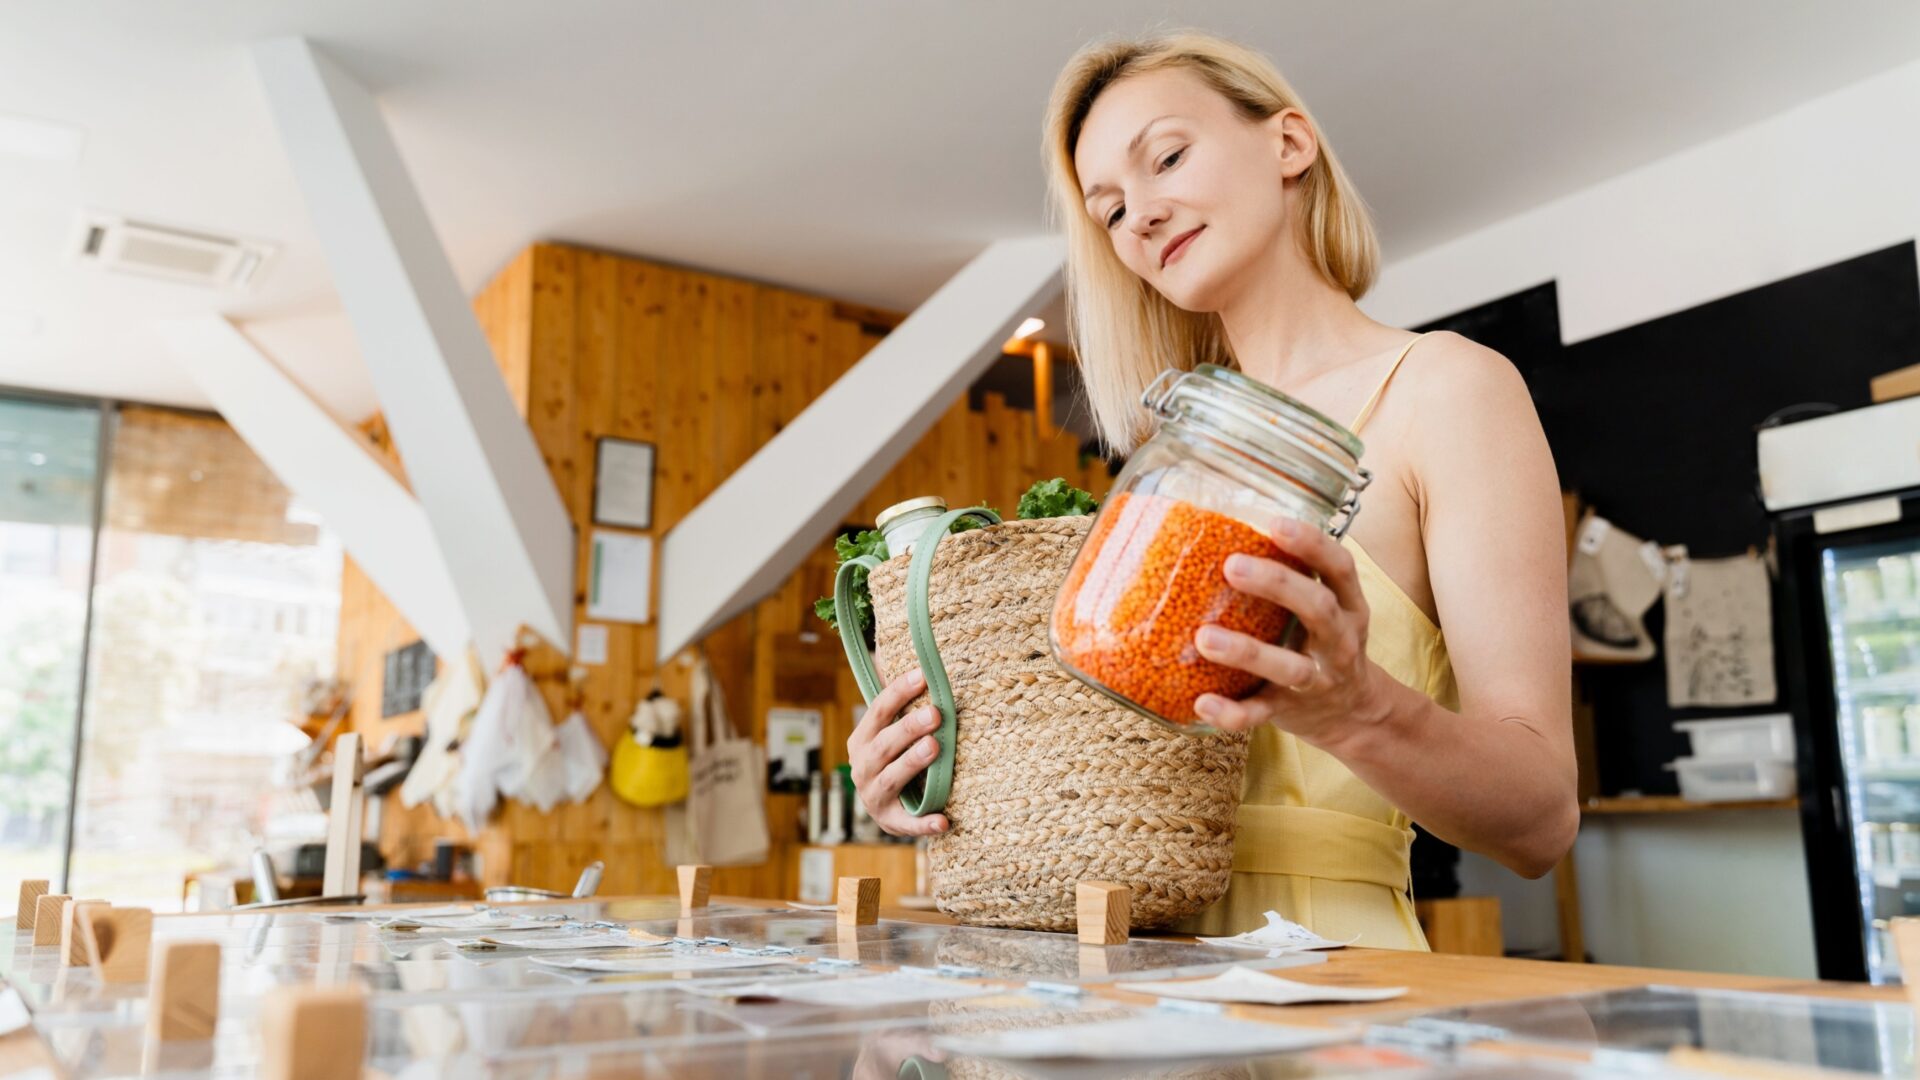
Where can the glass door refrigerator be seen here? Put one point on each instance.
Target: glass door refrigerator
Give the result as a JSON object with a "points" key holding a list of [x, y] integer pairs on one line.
{"points": [[1844, 493]]}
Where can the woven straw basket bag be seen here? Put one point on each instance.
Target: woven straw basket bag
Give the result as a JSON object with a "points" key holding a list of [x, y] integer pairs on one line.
{"points": [[1046, 782]]}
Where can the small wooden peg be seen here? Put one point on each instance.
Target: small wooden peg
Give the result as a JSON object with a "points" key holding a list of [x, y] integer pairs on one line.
{"points": [[46, 918], [313, 1033], [118, 941], [1105, 912], [30, 894], [184, 1002], [73, 932], [859, 901], [696, 883]]}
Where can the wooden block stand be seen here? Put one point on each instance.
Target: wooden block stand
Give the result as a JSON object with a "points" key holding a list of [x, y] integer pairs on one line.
{"points": [[1105, 912], [859, 901], [696, 885]]}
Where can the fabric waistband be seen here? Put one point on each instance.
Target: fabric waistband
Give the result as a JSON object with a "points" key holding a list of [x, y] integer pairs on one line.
{"points": [[1307, 841]]}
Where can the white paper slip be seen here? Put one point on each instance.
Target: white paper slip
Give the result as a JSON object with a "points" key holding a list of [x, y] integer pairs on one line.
{"points": [[865, 991], [667, 961], [1147, 1036], [798, 906], [558, 942], [482, 921], [1281, 934], [442, 912], [1243, 985]]}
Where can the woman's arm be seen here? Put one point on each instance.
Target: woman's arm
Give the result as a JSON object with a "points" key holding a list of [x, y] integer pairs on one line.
{"points": [[1497, 777]]}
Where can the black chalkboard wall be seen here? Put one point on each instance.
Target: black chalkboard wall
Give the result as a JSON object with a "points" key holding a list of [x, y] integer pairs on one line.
{"points": [[1654, 426]]}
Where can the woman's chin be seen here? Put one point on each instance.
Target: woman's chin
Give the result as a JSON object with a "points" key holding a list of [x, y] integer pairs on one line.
{"points": [[1191, 297]]}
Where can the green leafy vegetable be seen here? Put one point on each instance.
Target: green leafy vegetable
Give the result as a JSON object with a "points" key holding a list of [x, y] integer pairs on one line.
{"points": [[1049, 498], [864, 542], [1054, 498]]}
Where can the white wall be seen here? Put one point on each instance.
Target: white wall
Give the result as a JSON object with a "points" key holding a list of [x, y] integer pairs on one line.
{"points": [[1833, 178], [1718, 890], [1836, 177]]}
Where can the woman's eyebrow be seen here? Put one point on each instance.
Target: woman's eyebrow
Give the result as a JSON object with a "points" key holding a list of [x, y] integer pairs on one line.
{"points": [[1132, 148]]}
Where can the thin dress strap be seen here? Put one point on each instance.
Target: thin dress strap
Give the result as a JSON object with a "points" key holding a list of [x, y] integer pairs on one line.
{"points": [[1366, 411]]}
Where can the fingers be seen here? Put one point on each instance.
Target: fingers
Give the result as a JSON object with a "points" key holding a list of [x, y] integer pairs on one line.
{"points": [[885, 706], [1323, 555], [900, 823], [1279, 666], [1315, 604], [1230, 715], [881, 795], [893, 740], [897, 774]]}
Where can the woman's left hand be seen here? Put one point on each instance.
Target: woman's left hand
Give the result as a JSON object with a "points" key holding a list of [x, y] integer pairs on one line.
{"points": [[1322, 691]]}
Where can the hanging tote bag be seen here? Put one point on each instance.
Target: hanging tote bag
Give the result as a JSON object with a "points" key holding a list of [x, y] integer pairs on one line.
{"points": [[725, 820], [1046, 783]]}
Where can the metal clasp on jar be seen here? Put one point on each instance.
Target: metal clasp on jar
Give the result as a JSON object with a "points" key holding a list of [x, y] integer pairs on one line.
{"points": [[1350, 506]]}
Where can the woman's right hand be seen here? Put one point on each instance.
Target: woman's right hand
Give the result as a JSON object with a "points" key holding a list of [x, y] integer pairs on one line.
{"points": [[887, 750]]}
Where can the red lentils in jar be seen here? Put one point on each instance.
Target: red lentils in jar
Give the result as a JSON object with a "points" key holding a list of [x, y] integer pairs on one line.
{"points": [[1152, 573], [1229, 452]]}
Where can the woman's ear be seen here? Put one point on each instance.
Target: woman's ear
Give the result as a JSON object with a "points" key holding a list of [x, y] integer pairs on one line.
{"points": [[1294, 142]]}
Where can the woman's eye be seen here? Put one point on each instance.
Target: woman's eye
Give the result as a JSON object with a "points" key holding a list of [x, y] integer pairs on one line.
{"points": [[1172, 159], [1114, 216]]}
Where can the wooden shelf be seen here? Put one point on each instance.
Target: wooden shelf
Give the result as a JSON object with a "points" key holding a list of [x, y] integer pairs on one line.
{"points": [[1673, 804]]}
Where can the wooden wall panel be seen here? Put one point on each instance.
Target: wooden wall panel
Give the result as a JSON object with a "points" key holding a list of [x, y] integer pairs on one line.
{"points": [[708, 369]]}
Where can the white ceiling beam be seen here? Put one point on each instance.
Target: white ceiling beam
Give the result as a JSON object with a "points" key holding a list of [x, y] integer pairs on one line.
{"points": [[744, 539], [500, 523], [329, 467]]}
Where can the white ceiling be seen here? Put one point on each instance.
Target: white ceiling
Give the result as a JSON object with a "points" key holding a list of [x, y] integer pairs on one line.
{"points": [[862, 149]]}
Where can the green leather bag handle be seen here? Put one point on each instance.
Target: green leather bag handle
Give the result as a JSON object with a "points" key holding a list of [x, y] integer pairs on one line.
{"points": [[927, 793]]}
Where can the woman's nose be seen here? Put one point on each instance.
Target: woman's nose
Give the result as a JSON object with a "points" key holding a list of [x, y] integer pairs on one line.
{"points": [[1148, 218]]}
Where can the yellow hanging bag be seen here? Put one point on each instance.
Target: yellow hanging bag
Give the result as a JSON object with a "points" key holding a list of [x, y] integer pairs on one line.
{"points": [[650, 761]]}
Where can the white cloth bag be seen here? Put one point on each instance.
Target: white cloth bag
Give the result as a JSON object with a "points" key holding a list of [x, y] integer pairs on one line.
{"points": [[724, 820], [450, 702], [511, 731]]}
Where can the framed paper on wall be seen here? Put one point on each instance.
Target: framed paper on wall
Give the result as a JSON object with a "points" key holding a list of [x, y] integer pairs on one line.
{"points": [[623, 483]]}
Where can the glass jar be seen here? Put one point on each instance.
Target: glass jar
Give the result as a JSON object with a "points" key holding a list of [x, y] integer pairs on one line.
{"points": [[1229, 457], [902, 523]]}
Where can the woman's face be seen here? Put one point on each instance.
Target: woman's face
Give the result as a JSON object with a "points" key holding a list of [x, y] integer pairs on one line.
{"points": [[1189, 191]]}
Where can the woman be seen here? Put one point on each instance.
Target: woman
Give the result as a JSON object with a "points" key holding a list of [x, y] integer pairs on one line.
{"points": [[1208, 221]]}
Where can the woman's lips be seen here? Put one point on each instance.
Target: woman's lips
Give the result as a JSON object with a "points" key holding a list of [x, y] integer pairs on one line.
{"points": [[1178, 245]]}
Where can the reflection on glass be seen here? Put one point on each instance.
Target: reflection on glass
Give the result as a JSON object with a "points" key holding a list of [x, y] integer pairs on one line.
{"points": [[1873, 622], [216, 601], [49, 456], [1869, 1037]]}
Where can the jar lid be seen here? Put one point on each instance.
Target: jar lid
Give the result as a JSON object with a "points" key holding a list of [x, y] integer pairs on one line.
{"points": [[886, 517], [1263, 424]]}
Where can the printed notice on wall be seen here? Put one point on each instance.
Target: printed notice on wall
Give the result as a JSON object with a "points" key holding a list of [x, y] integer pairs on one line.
{"points": [[620, 577], [590, 644]]}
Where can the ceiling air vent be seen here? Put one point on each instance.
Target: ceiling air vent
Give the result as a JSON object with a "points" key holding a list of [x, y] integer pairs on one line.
{"points": [[140, 247]]}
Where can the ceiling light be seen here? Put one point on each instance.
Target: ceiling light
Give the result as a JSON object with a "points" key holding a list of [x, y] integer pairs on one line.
{"points": [[42, 140], [1029, 328]]}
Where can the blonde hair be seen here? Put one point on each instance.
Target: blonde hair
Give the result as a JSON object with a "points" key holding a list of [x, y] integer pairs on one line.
{"points": [[1124, 331]]}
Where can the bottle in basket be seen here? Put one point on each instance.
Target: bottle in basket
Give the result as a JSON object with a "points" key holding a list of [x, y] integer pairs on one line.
{"points": [[1230, 455]]}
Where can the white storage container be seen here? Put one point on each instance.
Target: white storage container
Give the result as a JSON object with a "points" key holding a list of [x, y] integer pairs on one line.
{"points": [[1769, 736], [1734, 779]]}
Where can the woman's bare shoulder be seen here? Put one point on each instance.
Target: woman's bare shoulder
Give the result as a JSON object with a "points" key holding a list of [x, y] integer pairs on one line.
{"points": [[1458, 383]]}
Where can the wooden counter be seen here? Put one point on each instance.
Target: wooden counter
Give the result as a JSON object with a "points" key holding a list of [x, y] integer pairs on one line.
{"points": [[1437, 981]]}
